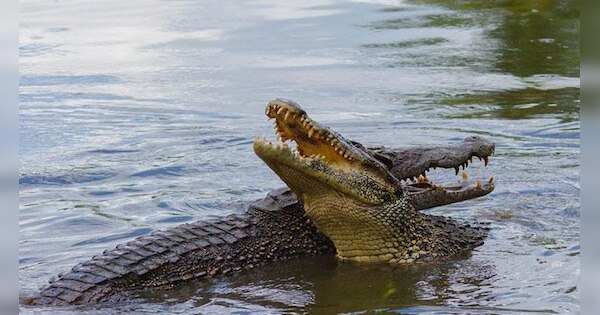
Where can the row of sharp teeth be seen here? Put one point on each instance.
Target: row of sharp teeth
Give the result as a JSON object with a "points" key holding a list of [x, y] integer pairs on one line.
{"points": [[306, 122], [470, 160], [423, 177], [465, 176], [286, 148]]}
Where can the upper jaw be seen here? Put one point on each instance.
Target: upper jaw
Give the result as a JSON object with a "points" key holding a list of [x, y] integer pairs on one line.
{"points": [[312, 138], [316, 141], [410, 163], [322, 155]]}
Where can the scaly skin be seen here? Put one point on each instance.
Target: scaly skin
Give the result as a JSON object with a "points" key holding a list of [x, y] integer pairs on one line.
{"points": [[352, 196], [273, 229]]}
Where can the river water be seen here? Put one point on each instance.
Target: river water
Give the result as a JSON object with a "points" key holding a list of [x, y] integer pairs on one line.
{"points": [[139, 115]]}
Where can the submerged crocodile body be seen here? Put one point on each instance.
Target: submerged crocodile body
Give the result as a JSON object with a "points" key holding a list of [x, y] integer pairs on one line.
{"points": [[279, 228]]}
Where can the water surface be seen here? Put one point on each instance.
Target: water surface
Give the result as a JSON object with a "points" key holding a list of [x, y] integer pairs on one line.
{"points": [[139, 115]]}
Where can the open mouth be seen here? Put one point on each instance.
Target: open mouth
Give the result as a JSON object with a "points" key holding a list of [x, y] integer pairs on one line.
{"points": [[303, 141], [422, 183], [313, 141]]}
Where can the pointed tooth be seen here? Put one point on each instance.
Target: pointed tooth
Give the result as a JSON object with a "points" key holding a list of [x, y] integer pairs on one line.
{"points": [[456, 169], [485, 161], [471, 159], [478, 185], [421, 178], [491, 180], [310, 133], [287, 116], [280, 110], [465, 176]]}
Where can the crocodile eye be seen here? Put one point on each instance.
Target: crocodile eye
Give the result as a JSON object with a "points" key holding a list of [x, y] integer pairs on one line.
{"points": [[399, 193], [387, 198]]}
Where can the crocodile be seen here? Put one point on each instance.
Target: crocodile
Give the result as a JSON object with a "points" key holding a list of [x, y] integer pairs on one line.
{"points": [[358, 203]]}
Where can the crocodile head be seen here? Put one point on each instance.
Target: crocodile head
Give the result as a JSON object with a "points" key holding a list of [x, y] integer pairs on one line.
{"points": [[350, 193], [322, 161]]}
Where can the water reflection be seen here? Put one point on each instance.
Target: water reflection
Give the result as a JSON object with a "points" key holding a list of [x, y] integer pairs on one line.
{"points": [[323, 286], [537, 41], [522, 104]]}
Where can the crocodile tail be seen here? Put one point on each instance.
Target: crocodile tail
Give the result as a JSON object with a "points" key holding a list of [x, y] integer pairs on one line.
{"points": [[137, 261], [274, 228]]}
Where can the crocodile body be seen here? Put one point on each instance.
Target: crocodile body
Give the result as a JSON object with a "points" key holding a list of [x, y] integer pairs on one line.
{"points": [[275, 228]]}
